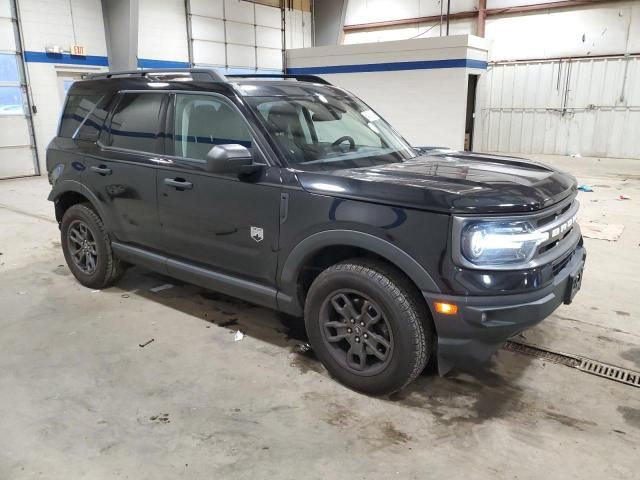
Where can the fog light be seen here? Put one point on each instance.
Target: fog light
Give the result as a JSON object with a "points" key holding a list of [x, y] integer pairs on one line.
{"points": [[446, 308]]}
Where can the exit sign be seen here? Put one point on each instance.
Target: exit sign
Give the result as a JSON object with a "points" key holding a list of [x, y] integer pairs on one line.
{"points": [[78, 50]]}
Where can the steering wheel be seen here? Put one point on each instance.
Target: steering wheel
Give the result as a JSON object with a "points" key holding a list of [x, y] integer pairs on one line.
{"points": [[345, 138]]}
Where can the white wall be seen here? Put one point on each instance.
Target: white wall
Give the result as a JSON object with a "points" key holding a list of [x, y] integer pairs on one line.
{"points": [[403, 32], [605, 28], [368, 11], [63, 23], [162, 30], [427, 106], [433, 114]]}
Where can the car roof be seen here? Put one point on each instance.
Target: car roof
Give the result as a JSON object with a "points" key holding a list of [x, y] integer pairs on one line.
{"points": [[205, 80], [285, 88]]}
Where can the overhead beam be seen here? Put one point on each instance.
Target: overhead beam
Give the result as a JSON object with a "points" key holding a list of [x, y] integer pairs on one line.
{"points": [[482, 17], [474, 14]]}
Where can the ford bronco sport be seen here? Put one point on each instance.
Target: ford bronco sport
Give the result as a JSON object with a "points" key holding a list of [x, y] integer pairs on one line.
{"points": [[293, 194]]}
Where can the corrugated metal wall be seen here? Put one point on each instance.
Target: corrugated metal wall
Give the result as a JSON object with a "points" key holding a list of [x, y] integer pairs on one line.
{"points": [[589, 107]]}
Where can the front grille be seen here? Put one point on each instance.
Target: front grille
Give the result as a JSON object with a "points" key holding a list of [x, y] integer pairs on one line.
{"points": [[558, 212], [548, 246], [560, 264], [559, 223]]}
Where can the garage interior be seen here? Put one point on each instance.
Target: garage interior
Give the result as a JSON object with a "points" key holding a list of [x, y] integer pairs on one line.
{"points": [[150, 378]]}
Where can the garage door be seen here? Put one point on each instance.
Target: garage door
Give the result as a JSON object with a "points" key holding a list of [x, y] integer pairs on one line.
{"points": [[236, 35], [17, 154]]}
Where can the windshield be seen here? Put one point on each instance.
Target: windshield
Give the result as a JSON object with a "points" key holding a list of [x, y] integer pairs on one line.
{"points": [[329, 133]]}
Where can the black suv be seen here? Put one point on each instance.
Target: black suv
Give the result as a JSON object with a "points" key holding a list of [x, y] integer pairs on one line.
{"points": [[291, 193]]}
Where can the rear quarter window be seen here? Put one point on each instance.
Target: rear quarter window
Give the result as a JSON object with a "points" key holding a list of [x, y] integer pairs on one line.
{"points": [[83, 116]]}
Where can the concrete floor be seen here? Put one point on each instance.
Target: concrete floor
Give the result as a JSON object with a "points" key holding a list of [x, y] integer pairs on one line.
{"points": [[81, 399]]}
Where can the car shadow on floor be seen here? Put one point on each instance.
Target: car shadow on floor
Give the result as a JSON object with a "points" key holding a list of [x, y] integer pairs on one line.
{"points": [[471, 396]]}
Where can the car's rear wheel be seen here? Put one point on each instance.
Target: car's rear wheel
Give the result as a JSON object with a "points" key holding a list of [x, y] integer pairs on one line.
{"points": [[87, 248], [368, 326]]}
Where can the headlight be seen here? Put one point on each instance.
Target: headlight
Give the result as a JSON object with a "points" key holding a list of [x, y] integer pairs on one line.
{"points": [[500, 243]]}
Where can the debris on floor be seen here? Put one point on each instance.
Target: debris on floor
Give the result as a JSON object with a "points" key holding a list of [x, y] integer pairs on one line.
{"points": [[585, 188], [303, 348], [228, 323], [125, 295], [601, 231], [142, 345], [238, 336], [623, 197], [162, 418], [160, 288]]}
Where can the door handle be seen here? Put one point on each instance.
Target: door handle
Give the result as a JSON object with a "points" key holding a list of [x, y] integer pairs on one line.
{"points": [[102, 170], [178, 183]]}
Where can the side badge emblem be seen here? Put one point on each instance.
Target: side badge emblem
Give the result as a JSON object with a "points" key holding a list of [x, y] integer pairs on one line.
{"points": [[257, 234]]}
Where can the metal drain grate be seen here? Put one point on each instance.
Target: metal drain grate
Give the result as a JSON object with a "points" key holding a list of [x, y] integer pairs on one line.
{"points": [[555, 357], [609, 371], [622, 375]]}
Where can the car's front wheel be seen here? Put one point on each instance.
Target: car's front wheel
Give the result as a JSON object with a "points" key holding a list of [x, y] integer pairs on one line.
{"points": [[367, 326]]}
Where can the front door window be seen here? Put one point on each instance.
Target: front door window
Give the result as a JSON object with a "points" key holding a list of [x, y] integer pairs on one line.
{"points": [[203, 121]]}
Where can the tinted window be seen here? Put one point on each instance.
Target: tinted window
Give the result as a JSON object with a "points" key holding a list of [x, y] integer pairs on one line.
{"points": [[202, 121], [83, 116], [135, 124]]}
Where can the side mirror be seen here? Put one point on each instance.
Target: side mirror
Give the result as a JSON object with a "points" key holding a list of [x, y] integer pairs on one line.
{"points": [[229, 158]]}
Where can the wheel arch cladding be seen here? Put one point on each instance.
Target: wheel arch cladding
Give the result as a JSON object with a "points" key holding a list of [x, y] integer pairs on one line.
{"points": [[70, 193], [313, 245]]}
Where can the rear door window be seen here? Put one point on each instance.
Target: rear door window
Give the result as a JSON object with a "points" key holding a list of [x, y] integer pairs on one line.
{"points": [[136, 122]]}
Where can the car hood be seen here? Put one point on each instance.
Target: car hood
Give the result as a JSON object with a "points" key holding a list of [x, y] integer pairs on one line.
{"points": [[452, 182]]}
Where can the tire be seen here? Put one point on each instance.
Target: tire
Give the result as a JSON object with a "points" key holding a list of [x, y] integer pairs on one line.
{"points": [[107, 269], [339, 295]]}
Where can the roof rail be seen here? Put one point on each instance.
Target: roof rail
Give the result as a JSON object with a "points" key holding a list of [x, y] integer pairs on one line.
{"points": [[201, 74], [300, 78]]}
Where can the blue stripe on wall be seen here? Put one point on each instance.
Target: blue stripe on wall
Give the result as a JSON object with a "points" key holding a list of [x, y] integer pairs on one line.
{"points": [[95, 60], [150, 63], [390, 67], [43, 57]]}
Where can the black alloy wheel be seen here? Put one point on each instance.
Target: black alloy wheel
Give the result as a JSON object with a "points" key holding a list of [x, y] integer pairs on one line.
{"points": [[368, 325], [357, 332], [82, 246]]}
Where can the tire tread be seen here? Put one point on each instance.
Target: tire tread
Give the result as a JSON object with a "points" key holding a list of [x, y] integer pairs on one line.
{"points": [[405, 295], [114, 267]]}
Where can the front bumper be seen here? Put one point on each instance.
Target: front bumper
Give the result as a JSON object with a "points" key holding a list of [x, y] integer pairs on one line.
{"points": [[483, 323]]}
